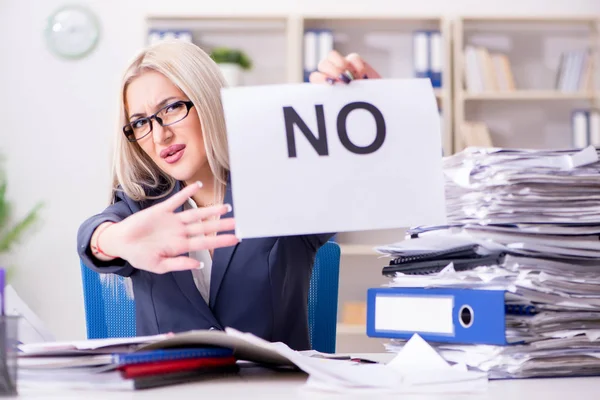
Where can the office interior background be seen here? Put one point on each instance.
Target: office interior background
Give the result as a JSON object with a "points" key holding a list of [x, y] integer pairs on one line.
{"points": [[512, 73]]}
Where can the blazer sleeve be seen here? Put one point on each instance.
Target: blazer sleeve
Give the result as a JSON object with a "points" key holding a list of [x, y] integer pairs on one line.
{"points": [[116, 212]]}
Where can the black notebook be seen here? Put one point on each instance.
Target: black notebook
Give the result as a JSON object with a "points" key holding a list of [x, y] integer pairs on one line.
{"points": [[428, 255]]}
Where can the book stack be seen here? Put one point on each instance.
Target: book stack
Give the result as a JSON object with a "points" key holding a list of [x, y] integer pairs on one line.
{"points": [[475, 134], [575, 71], [487, 71]]}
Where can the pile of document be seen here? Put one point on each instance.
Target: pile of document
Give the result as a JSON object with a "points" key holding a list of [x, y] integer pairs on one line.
{"points": [[527, 222]]}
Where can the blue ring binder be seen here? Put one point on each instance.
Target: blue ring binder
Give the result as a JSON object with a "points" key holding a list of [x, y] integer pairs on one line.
{"points": [[478, 315]]}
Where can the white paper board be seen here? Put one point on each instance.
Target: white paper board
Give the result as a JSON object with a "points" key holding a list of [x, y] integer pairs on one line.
{"points": [[386, 177]]}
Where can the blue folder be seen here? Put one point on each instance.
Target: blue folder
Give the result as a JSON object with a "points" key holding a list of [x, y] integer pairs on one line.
{"points": [[170, 355], [447, 315]]}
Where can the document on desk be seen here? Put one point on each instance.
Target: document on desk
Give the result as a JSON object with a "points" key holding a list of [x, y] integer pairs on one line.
{"points": [[416, 369], [309, 158]]}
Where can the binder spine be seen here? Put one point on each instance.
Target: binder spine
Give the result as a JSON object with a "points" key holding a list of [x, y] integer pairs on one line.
{"points": [[170, 355], [459, 251], [310, 53], [520, 309], [421, 54], [435, 57], [580, 128]]}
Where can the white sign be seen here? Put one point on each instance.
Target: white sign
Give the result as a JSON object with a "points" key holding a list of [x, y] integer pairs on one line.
{"points": [[313, 158]]}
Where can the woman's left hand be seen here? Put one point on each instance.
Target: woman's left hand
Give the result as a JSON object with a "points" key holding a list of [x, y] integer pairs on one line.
{"points": [[338, 69]]}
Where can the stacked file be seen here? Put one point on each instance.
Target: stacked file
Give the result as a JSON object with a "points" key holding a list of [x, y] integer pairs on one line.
{"points": [[525, 224]]}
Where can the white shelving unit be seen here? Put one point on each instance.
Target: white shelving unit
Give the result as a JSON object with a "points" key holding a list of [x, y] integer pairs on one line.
{"points": [[534, 114]]}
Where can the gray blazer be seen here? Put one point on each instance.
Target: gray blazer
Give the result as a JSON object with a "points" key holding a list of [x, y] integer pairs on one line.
{"points": [[258, 286]]}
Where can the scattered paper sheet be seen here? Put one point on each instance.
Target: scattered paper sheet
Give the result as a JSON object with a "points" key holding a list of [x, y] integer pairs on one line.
{"points": [[416, 369], [58, 348]]}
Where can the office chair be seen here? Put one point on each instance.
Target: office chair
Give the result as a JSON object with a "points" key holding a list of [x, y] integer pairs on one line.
{"points": [[110, 312]]}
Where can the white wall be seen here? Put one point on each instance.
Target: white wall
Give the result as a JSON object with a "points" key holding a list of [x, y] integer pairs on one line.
{"points": [[57, 118]]}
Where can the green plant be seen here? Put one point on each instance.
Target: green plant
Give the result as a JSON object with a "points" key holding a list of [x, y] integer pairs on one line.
{"points": [[10, 234], [222, 55]]}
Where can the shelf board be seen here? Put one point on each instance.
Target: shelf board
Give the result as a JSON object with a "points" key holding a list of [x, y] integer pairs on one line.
{"points": [[585, 19], [361, 16], [358, 250], [351, 329], [527, 95]]}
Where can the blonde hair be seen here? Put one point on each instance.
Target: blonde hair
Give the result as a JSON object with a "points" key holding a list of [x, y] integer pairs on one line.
{"points": [[200, 79]]}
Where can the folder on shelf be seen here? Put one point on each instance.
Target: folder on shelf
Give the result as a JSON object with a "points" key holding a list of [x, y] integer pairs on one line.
{"points": [[580, 126], [421, 54], [450, 315], [594, 127], [310, 53], [428, 56], [157, 35], [435, 58], [325, 43], [317, 44]]}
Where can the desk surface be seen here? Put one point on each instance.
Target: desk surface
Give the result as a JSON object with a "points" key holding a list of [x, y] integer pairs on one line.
{"points": [[258, 383]]}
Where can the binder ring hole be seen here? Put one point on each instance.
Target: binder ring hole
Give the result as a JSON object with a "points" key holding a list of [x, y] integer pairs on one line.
{"points": [[465, 316]]}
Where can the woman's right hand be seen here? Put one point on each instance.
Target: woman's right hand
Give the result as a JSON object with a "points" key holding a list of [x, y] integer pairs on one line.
{"points": [[154, 239], [336, 68]]}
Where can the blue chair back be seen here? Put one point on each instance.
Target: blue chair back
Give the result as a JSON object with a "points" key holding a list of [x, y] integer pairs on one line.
{"points": [[110, 311]]}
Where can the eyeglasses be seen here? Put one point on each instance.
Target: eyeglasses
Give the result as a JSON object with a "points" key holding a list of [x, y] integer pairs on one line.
{"points": [[168, 115]]}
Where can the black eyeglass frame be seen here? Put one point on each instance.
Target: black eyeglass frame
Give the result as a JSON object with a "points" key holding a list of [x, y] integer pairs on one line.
{"points": [[131, 137]]}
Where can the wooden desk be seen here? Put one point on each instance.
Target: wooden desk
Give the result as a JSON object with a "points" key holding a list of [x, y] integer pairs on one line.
{"points": [[257, 383]]}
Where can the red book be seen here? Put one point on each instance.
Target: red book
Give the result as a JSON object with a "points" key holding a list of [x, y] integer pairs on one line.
{"points": [[166, 367]]}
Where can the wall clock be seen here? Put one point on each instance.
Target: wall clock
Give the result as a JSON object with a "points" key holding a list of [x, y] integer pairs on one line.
{"points": [[72, 32]]}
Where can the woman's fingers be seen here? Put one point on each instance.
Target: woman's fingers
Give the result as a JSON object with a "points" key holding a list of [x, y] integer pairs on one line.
{"points": [[180, 263], [358, 65], [199, 214], [320, 77], [346, 71], [332, 71], [210, 227], [371, 73], [197, 243], [179, 198], [336, 68]]}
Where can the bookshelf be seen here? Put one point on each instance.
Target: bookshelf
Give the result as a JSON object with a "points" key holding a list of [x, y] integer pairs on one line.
{"points": [[265, 38], [510, 78]]}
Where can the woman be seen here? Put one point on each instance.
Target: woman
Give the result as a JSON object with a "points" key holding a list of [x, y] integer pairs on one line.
{"points": [[169, 226]]}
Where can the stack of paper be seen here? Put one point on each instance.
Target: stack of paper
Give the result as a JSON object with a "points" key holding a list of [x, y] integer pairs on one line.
{"points": [[538, 213]]}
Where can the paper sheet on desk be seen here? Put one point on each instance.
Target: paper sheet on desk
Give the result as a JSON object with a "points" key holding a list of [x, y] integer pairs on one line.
{"points": [[417, 368]]}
